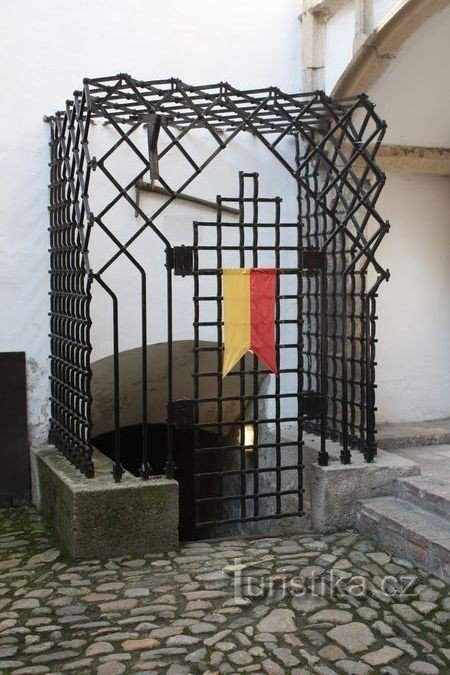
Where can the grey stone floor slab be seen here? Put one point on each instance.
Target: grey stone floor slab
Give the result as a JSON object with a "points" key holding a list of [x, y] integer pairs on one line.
{"points": [[434, 460], [406, 434], [295, 604]]}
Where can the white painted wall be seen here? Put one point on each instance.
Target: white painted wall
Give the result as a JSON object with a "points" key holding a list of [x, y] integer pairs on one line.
{"points": [[412, 94], [47, 47], [413, 351], [381, 9], [414, 307]]}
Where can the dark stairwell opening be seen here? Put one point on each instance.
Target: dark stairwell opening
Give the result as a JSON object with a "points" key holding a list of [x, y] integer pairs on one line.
{"points": [[200, 461], [131, 444]]}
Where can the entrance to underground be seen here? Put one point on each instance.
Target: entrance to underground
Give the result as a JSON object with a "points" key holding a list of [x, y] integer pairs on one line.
{"points": [[183, 443]]}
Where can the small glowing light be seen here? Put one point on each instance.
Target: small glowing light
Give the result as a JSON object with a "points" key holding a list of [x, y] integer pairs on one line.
{"points": [[249, 437]]}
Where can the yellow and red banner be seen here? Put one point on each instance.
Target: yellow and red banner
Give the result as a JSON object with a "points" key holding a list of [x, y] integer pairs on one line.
{"points": [[249, 316]]}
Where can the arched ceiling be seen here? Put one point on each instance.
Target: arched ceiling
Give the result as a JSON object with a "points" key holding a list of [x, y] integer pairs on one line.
{"points": [[413, 93], [403, 66], [130, 366]]}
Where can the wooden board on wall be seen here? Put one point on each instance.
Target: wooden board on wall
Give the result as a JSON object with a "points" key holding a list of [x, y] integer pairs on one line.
{"points": [[14, 446]]}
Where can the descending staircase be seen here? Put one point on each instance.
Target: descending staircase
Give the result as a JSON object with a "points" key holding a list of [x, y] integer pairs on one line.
{"points": [[413, 523]]}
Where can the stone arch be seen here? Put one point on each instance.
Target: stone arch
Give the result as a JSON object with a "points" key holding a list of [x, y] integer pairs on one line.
{"points": [[383, 44], [130, 364]]}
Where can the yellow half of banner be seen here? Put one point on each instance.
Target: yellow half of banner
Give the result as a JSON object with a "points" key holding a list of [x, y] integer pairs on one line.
{"points": [[236, 316]]}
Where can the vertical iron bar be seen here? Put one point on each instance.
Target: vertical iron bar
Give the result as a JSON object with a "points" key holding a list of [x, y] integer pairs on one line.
{"points": [[255, 449], [170, 464], [153, 127], [352, 364], [345, 454], [196, 369], [277, 220], [299, 332], [117, 468], [220, 342], [87, 378], [363, 365], [323, 454], [243, 481], [145, 469]]}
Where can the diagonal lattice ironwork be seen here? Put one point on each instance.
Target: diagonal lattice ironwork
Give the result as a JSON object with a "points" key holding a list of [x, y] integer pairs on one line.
{"points": [[338, 185]]}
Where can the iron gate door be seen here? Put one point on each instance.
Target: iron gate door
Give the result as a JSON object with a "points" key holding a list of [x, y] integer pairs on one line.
{"points": [[247, 427]]}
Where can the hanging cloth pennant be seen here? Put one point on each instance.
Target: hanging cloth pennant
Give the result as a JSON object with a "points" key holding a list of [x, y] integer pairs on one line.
{"points": [[249, 316]]}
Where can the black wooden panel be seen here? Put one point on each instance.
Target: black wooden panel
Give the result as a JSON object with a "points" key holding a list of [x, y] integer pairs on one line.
{"points": [[14, 446]]}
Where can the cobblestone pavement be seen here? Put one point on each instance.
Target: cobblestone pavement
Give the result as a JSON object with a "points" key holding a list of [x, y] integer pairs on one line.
{"points": [[304, 604]]}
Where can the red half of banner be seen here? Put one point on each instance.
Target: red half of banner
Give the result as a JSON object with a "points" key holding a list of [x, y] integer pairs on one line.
{"points": [[262, 316]]}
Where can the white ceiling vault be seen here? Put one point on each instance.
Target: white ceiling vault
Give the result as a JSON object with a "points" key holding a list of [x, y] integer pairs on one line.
{"points": [[397, 53], [413, 93]]}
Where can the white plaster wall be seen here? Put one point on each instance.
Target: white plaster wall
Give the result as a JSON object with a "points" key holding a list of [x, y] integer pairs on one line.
{"points": [[47, 47], [381, 8], [414, 307], [413, 351], [413, 93]]}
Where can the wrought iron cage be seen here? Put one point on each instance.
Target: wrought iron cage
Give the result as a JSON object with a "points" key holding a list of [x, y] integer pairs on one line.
{"points": [[338, 185]]}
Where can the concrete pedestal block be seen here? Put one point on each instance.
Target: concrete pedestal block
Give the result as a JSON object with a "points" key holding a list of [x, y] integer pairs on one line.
{"points": [[335, 489], [98, 518]]}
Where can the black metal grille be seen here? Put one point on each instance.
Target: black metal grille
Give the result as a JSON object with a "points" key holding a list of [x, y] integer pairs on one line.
{"points": [[70, 283], [243, 487], [338, 186]]}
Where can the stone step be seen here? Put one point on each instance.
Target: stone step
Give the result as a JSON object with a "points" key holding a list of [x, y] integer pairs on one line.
{"points": [[413, 434], [408, 531], [430, 494]]}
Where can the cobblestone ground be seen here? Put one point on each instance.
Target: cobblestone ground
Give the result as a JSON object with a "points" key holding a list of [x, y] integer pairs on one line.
{"points": [[304, 604]]}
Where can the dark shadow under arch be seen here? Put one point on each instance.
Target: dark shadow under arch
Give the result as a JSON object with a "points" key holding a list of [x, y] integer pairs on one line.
{"points": [[131, 386]]}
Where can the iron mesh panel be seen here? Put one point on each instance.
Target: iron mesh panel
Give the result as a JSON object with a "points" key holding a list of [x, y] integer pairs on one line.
{"points": [[338, 187], [248, 485], [70, 424]]}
